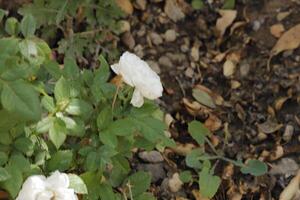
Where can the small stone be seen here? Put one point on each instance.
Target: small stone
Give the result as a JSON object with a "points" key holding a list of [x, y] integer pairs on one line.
{"points": [[173, 10], [128, 40], [175, 183], [124, 26], [244, 69], [156, 170], [156, 38], [168, 119], [285, 166], [154, 66], [165, 61], [139, 50], [141, 32], [125, 5], [189, 72], [195, 53], [256, 25], [261, 136], [141, 4], [229, 68], [170, 35], [288, 133], [151, 156], [235, 84]]}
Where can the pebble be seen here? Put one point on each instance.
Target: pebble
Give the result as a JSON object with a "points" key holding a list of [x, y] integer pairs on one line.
{"points": [[173, 10], [125, 26], [139, 50], [175, 183], [154, 66], [195, 53], [141, 4], [165, 61], [189, 72], [156, 170], [170, 35], [156, 38], [244, 69], [128, 40], [228, 68], [151, 156], [288, 133]]}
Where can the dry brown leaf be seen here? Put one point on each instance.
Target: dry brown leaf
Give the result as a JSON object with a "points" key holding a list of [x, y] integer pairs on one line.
{"points": [[213, 123], [183, 149], [125, 5], [198, 196], [194, 108], [218, 100], [226, 19], [291, 189], [237, 25], [277, 153], [228, 172], [288, 41], [282, 15], [269, 127], [279, 102], [276, 30]]}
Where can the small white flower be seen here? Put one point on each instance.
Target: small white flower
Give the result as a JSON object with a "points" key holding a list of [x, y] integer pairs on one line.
{"points": [[137, 73], [55, 187]]}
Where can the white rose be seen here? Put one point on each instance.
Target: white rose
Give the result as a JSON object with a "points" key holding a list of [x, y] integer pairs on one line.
{"points": [[55, 187], [137, 73]]}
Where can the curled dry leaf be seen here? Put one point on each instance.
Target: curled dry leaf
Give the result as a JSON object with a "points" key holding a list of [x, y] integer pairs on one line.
{"points": [[125, 5], [288, 41], [228, 172], [226, 19], [277, 30], [175, 183], [279, 102], [196, 109], [213, 123], [277, 153], [291, 189], [218, 100], [269, 127], [183, 149], [197, 195]]}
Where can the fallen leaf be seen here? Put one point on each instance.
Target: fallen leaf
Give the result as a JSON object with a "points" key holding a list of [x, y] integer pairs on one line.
{"points": [[198, 195], [229, 68], [291, 189], [203, 97], [226, 19], [285, 166], [279, 102], [276, 30], [269, 127], [194, 108], [213, 123], [288, 41], [125, 5], [175, 183], [183, 149], [277, 153], [237, 25], [218, 100], [282, 15]]}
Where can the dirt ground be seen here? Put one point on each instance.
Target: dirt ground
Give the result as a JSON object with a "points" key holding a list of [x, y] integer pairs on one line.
{"points": [[257, 112]]}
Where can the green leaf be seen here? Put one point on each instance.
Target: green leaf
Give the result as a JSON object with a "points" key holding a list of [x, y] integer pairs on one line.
{"points": [[255, 168], [80, 108], [3, 158], [4, 175], [24, 144], [77, 184], [108, 138], [197, 4], [92, 181], [229, 4], [192, 159], [103, 73], [57, 132], [44, 125], [20, 98], [2, 14], [104, 118], [75, 126], [121, 127], [48, 103], [203, 98], [208, 183], [62, 90], [9, 46], [121, 169], [61, 161], [185, 176], [14, 183], [92, 161], [28, 26], [198, 131], [30, 51], [139, 182], [145, 196], [53, 69], [20, 162], [12, 26], [106, 192], [71, 70]]}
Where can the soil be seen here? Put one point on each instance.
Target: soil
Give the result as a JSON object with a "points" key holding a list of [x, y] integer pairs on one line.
{"points": [[260, 104]]}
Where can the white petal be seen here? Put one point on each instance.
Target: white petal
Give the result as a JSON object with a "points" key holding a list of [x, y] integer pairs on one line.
{"points": [[115, 68], [58, 180], [137, 98], [45, 195], [65, 194], [32, 187]]}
